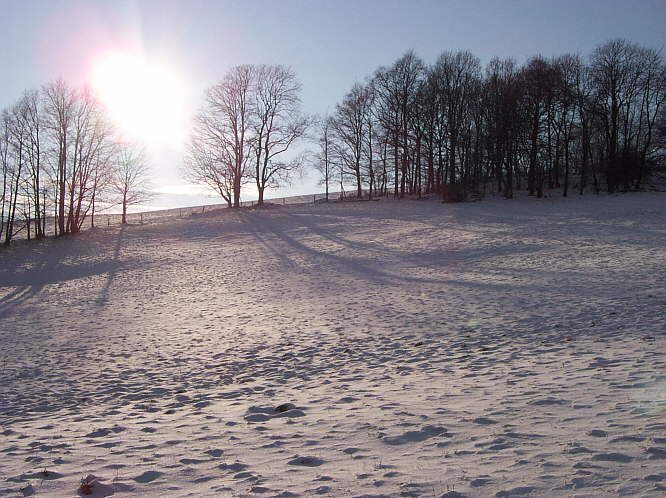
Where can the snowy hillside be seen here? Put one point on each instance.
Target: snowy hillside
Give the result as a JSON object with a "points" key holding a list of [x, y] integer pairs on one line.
{"points": [[499, 348]]}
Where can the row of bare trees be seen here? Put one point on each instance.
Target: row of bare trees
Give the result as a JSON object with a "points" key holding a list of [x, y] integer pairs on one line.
{"points": [[61, 162], [243, 133], [454, 128]]}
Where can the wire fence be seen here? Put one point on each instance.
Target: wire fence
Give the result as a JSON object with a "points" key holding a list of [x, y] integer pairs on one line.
{"points": [[184, 212], [101, 220]]}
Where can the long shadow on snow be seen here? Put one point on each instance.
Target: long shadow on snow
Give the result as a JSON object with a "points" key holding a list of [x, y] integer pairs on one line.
{"points": [[353, 265], [114, 266], [439, 257], [28, 282], [356, 267], [51, 268], [327, 232]]}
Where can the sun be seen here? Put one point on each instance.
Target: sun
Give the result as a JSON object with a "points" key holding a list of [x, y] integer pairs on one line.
{"points": [[144, 98]]}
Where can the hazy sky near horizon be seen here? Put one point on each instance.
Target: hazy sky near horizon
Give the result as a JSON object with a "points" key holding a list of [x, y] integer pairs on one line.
{"points": [[329, 44]]}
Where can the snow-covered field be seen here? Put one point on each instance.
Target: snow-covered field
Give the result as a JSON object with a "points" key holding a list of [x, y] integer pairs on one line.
{"points": [[501, 348]]}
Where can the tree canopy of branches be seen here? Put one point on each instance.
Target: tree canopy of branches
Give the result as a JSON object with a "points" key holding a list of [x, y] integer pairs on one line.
{"points": [[454, 129], [248, 123]]}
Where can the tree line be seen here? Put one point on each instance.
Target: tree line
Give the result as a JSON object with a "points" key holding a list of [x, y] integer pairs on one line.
{"points": [[61, 162], [454, 128], [451, 128]]}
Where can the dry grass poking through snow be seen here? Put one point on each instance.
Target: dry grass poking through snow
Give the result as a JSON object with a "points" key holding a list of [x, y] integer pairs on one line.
{"points": [[490, 349]]}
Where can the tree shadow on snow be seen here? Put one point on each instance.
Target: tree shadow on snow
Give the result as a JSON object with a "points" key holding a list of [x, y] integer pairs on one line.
{"points": [[355, 265], [114, 266], [29, 281], [55, 261]]}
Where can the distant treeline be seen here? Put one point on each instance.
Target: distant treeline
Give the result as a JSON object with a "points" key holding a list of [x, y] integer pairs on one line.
{"points": [[454, 128], [59, 161]]}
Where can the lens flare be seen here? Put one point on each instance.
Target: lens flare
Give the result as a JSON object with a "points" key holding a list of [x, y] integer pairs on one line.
{"points": [[145, 98]]}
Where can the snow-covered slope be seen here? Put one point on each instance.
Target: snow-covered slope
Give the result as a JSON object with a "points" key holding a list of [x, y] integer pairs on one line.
{"points": [[500, 348]]}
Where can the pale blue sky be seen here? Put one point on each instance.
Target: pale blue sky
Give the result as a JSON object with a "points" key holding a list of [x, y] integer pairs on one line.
{"points": [[330, 44]]}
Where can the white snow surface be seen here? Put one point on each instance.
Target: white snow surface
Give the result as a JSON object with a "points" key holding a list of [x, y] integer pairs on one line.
{"points": [[499, 348]]}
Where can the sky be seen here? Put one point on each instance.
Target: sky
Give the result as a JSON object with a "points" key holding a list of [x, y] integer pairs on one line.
{"points": [[329, 44]]}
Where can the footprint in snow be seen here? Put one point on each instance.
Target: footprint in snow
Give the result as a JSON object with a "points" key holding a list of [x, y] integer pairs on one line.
{"points": [[629, 439], [656, 453], [102, 432], [519, 491], [351, 451], [148, 476], [484, 421], [306, 461], [28, 490], [233, 467], [46, 475], [263, 414], [321, 490], [480, 481], [426, 432], [548, 402], [612, 457]]}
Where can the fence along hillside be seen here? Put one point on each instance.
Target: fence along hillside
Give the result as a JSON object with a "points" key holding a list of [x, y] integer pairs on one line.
{"points": [[102, 220]]}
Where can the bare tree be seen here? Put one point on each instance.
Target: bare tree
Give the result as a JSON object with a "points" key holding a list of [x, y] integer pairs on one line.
{"points": [[130, 181], [455, 75], [32, 116], [253, 114], [219, 148], [539, 79], [91, 140], [277, 123], [15, 165], [324, 156], [616, 73], [59, 101], [652, 100], [350, 125], [204, 167], [102, 175], [4, 167], [396, 89]]}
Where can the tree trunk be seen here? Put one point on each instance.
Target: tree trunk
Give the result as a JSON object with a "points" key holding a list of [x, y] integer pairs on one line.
{"points": [[124, 219], [62, 167], [260, 201]]}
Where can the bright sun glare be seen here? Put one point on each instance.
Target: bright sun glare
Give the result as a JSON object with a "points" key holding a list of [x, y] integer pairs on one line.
{"points": [[145, 98]]}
